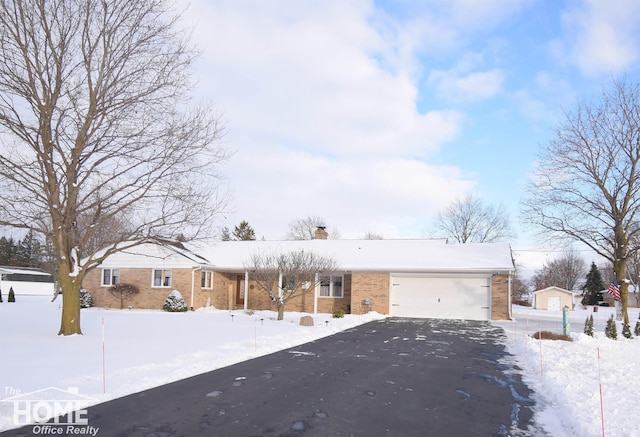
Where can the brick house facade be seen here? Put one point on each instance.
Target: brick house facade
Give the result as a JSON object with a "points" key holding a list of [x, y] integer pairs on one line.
{"points": [[224, 282]]}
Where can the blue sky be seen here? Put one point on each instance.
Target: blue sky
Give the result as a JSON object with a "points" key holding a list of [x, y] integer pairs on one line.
{"points": [[375, 115]]}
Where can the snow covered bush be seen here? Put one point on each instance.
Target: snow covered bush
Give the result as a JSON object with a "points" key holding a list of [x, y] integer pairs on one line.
{"points": [[174, 303], [12, 295], [86, 301], [626, 330]]}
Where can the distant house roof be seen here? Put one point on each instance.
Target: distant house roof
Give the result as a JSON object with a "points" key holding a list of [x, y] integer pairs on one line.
{"points": [[23, 270], [25, 274], [561, 290], [398, 255]]}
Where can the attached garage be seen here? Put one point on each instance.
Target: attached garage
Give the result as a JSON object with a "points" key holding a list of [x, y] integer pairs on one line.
{"points": [[465, 297]]}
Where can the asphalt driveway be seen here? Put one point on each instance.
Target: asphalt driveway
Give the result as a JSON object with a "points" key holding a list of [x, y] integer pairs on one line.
{"points": [[393, 377]]}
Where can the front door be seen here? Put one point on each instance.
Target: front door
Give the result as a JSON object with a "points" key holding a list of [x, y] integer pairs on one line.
{"points": [[240, 290]]}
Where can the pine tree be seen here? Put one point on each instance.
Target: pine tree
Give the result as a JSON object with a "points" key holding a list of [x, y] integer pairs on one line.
{"points": [[12, 295], [0, 294], [244, 231], [592, 286], [636, 331], [175, 302], [626, 330], [588, 326], [8, 250], [611, 331], [29, 251], [225, 234]]}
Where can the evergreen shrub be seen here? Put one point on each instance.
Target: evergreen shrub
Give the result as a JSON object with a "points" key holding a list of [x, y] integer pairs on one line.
{"points": [[174, 303]]}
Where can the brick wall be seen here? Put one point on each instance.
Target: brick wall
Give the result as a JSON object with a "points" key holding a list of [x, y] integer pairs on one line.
{"points": [[149, 297], [500, 303], [372, 286]]}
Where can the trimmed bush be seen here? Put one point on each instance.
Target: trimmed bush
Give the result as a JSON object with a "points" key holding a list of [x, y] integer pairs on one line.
{"points": [[626, 330], [548, 335], [86, 301], [175, 303], [611, 331], [588, 326], [0, 294], [636, 331], [12, 295], [338, 314]]}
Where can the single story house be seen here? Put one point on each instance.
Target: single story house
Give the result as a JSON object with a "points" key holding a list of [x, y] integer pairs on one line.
{"points": [[26, 281], [553, 299], [403, 277]]}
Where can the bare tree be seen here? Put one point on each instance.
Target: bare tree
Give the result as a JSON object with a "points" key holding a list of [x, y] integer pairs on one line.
{"points": [[371, 235], [565, 272], [288, 275], [122, 291], [587, 185], [305, 228], [98, 128], [468, 220], [520, 292]]}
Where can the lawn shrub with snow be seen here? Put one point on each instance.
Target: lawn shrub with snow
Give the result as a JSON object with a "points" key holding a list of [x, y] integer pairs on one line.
{"points": [[175, 303], [86, 301]]}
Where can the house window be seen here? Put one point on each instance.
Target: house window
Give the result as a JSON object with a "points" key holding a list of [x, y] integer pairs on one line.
{"points": [[331, 286], [110, 277], [207, 279], [288, 283], [162, 277]]}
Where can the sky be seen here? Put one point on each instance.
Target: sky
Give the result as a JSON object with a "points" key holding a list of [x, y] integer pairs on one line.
{"points": [[376, 115]]}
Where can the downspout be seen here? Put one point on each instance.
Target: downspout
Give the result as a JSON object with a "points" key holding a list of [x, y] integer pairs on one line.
{"points": [[246, 290], [509, 296], [193, 280]]}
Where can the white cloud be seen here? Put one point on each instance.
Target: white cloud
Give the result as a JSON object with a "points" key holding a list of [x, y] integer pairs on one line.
{"points": [[601, 37], [322, 114], [467, 87]]}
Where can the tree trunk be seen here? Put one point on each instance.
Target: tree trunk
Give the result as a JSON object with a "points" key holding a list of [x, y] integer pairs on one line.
{"points": [[280, 306], [70, 322]]}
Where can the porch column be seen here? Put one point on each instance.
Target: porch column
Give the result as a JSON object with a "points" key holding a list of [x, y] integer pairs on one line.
{"points": [[316, 285], [246, 290]]}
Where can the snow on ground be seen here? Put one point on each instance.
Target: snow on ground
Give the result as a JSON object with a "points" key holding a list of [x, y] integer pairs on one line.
{"points": [[568, 377], [144, 349]]}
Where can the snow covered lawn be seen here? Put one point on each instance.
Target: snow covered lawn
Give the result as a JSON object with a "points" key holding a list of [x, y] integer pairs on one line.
{"points": [[144, 349], [567, 376]]}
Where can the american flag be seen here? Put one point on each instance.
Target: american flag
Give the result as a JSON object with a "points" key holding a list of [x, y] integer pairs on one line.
{"points": [[613, 289]]}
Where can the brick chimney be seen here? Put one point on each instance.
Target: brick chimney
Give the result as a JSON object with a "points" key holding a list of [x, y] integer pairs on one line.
{"points": [[320, 233]]}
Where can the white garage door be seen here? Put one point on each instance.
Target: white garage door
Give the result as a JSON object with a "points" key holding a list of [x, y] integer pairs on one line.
{"points": [[441, 297]]}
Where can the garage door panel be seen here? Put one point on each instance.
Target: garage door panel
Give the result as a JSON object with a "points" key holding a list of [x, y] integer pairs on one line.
{"points": [[454, 297]]}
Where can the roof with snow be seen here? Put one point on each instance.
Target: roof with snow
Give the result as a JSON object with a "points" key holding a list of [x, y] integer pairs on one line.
{"points": [[23, 270], [399, 255]]}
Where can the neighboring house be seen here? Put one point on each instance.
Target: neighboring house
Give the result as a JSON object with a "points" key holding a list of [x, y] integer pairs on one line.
{"points": [[155, 269], [26, 281], [553, 299], [404, 278]]}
